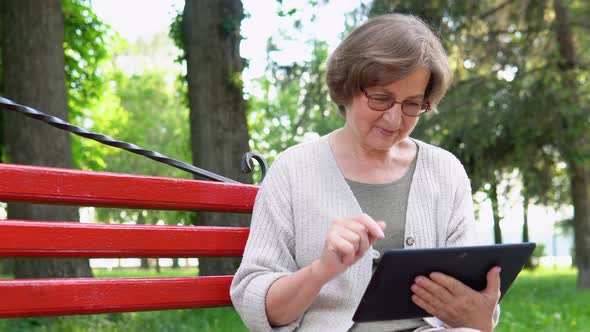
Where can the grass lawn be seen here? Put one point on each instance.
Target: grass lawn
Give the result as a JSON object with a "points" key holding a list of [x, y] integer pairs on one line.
{"points": [[543, 300]]}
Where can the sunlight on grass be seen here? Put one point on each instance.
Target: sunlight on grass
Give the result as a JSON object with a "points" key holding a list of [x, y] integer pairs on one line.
{"points": [[545, 300], [211, 319]]}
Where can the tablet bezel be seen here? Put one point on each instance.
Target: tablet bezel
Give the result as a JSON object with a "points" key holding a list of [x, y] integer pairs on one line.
{"points": [[392, 300]]}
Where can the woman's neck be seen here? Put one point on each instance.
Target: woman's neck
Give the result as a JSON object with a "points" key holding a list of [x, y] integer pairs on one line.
{"points": [[349, 147]]}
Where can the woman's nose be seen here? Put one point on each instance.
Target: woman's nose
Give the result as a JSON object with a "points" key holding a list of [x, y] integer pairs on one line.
{"points": [[394, 115]]}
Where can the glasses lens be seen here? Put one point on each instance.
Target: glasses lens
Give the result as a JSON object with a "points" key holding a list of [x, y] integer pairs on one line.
{"points": [[412, 108], [380, 103]]}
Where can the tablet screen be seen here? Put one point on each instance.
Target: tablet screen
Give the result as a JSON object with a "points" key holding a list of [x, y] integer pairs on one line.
{"points": [[389, 296]]}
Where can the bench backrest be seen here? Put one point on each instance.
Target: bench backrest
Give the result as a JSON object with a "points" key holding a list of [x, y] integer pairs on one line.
{"points": [[44, 185]]}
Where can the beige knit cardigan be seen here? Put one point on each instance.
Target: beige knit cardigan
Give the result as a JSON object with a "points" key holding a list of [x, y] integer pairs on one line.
{"points": [[302, 194]]}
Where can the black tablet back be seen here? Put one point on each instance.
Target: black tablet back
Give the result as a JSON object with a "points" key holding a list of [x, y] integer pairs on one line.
{"points": [[388, 295]]}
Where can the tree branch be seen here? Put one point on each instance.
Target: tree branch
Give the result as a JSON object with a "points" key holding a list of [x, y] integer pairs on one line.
{"points": [[484, 15], [495, 10]]}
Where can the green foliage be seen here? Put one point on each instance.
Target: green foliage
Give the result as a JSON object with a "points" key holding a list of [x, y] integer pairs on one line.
{"points": [[235, 79], [87, 42], [177, 35], [107, 118], [565, 227], [230, 25], [206, 320], [295, 103], [282, 12], [86, 46], [289, 12], [147, 109], [509, 107], [142, 110]]}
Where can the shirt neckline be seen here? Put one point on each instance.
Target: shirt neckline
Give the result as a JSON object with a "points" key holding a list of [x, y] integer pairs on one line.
{"points": [[411, 170], [326, 140]]}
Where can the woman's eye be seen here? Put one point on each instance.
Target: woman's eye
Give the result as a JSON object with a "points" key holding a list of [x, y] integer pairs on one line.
{"points": [[413, 103], [382, 99]]}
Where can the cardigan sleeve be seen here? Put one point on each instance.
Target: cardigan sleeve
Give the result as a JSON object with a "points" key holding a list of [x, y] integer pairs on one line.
{"points": [[269, 252], [462, 231]]}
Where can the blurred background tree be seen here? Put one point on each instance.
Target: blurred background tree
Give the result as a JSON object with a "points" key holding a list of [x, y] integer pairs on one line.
{"points": [[517, 110], [519, 99], [33, 60], [210, 32]]}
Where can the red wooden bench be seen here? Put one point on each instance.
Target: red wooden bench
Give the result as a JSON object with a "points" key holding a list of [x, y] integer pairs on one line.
{"points": [[43, 297]]}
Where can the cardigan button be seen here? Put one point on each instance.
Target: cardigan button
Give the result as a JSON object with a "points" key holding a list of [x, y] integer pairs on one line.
{"points": [[375, 254], [410, 241]]}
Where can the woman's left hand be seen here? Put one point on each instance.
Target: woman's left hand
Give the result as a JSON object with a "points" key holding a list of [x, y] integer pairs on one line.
{"points": [[456, 304]]}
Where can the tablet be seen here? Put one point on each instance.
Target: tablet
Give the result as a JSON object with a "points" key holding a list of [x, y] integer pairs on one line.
{"points": [[388, 295]]}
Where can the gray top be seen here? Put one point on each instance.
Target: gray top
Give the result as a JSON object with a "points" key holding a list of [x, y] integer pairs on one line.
{"points": [[387, 202]]}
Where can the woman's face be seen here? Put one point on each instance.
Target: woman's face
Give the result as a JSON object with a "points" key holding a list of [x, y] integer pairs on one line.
{"points": [[380, 131]]}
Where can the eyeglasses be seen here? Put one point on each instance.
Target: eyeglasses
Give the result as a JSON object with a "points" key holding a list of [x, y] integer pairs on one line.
{"points": [[383, 102]]}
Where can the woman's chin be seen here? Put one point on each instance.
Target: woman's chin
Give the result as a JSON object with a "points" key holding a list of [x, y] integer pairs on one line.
{"points": [[382, 144]]}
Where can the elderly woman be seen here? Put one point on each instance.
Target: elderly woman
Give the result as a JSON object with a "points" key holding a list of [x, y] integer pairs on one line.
{"points": [[329, 208]]}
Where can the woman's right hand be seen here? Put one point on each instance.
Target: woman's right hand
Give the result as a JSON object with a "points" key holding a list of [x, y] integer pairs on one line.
{"points": [[347, 241]]}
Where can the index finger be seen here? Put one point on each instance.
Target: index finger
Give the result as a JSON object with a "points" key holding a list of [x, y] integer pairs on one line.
{"points": [[453, 285], [372, 226]]}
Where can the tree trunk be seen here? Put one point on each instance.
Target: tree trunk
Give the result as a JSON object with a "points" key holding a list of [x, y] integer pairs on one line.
{"points": [[33, 59], [525, 225], [495, 212], [580, 183], [219, 131], [7, 267], [144, 263], [175, 264], [525, 217], [579, 167]]}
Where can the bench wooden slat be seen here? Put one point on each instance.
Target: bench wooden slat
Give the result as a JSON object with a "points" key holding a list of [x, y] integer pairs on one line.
{"points": [[48, 297], [67, 239], [48, 185]]}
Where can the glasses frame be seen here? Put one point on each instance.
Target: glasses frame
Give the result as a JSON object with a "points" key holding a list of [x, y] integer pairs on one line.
{"points": [[425, 107]]}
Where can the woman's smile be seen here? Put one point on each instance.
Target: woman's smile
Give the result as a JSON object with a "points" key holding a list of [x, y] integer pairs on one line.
{"points": [[385, 132]]}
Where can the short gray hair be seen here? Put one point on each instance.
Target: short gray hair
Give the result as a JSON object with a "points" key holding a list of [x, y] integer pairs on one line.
{"points": [[383, 50]]}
